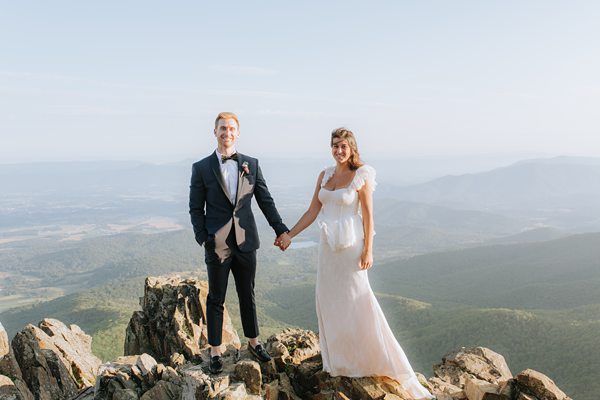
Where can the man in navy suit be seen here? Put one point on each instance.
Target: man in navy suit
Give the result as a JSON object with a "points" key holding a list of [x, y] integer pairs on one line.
{"points": [[221, 191]]}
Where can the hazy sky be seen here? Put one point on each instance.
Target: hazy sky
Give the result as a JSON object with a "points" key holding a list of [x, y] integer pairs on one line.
{"points": [[84, 80]]}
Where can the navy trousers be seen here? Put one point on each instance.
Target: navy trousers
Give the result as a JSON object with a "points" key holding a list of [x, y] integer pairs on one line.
{"points": [[243, 267]]}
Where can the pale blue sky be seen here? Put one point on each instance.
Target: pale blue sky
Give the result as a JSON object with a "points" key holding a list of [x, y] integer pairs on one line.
{"points": [[85, 80]]}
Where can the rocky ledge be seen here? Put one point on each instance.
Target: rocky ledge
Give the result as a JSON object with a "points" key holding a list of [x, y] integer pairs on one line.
{"points": [[167, 358]]}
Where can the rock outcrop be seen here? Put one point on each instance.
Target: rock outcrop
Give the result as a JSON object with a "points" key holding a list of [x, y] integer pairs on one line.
{"points": [[54, 362], [538, 386], [12, 386], [470, 370], [173, 320], [8, 364], [479, 373], [137, 377]]}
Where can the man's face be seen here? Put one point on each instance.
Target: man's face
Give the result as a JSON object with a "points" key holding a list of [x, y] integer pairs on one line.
{"points": [[227, 132]]}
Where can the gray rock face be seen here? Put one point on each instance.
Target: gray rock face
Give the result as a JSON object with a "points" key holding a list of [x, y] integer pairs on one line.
{"points": [[39, 367], [163, 390], [8, 363], [294, 345], [85, 394], [172, 320], [75, 349], [13, 390], [476, 362], [8, 390], [146, 364], [55, 361], [481, 374], [4, 345], [539, 386], [249, 373], [477, 389], [121, 379]]}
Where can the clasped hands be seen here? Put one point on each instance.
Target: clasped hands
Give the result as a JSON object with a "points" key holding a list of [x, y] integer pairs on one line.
{"points": [[283, 241]]}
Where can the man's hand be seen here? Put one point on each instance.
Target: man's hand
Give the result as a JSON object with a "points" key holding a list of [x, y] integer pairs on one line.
{"points": [[283, 241]]}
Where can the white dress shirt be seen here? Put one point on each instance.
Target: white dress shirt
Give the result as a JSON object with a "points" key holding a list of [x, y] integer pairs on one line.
{"points": [[229, 171]]}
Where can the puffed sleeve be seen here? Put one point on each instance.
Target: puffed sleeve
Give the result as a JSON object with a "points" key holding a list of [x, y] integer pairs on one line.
{"points": [[328, 173], [366, 173]]}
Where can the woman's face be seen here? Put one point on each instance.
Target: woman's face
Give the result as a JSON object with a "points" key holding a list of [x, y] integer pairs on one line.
{"points": [[340, 150]]}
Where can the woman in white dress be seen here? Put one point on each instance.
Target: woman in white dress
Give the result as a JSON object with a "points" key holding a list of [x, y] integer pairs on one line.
{"points": [[354, 335]]}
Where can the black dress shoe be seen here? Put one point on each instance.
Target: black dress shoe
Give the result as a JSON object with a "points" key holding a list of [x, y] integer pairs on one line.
{"points": [[259, 353], [215, 365]]}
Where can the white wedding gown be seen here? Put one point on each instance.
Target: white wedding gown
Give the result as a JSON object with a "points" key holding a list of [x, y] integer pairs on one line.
{"points": [[354, 335]]}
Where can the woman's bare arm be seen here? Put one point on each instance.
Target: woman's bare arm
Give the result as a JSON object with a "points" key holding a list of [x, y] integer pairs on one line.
{"points": [[365, 195]]}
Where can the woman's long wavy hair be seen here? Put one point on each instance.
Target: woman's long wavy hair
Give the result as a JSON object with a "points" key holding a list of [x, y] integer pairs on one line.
{"points": [[342, 133]]}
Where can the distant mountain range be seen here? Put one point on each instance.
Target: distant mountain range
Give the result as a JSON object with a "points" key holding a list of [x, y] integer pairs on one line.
{"points": [[397, 213], [559, 193], [521, 180], [562, 191]]}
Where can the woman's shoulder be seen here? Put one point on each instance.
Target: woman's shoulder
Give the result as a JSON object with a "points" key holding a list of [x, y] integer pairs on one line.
{"points": [[364, 173], [326, 174]]}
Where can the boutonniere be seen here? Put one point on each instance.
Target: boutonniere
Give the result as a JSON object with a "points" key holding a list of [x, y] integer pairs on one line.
{"points": [[245, 168]]}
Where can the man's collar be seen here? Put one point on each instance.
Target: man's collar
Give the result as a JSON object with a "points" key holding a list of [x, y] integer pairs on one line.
{"points": [[219, 154]]}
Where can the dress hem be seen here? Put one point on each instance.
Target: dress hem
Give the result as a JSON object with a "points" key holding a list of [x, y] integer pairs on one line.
{"points": [[409, 380]]}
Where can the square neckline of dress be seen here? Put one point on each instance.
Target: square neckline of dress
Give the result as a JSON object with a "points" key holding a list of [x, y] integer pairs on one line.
{"points": [[345, 187]]}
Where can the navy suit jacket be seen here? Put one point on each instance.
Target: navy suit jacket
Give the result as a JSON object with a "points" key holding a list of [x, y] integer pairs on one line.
{"points": [[212, 212]]}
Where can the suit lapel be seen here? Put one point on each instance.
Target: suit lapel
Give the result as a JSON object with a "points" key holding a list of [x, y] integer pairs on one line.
{"points": [[241, 179], [216, 168]]}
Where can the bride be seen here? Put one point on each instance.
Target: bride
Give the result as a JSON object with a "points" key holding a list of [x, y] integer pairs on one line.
{"points": [[354, 335]]}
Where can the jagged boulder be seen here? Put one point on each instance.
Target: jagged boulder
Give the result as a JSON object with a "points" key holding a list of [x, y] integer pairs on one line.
{"points": [[137, 377], [249, 372], [308, 380], [14, 390], [446, 391], [56, 361], [292, 346], [141, 377], [475, 362], [163, 390], [75, 349], [8, 363], [172, 320], [477, 389], [12, 386], [481, 374], [474, 373], [4, 344], [8, 390], [43, 370], [538, 385]]}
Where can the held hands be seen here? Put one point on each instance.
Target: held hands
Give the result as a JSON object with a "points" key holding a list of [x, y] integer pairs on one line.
{"points": [[366, 259], [283, 241]]}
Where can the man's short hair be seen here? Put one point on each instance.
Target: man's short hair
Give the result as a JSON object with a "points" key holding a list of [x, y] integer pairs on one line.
{"points": [[227, 115]]}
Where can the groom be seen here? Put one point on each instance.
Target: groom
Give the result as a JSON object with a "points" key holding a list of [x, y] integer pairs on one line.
{"points": [[221, 191]]}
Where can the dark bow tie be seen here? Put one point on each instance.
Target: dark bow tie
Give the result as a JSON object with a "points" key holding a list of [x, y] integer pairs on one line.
{"points": [[233, 157]]}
